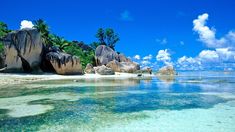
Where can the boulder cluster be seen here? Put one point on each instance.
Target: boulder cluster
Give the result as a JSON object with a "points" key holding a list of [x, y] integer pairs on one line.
{"points": [[25, 52]]}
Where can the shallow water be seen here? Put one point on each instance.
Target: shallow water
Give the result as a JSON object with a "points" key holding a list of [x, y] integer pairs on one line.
{"points": [[189, 102]]}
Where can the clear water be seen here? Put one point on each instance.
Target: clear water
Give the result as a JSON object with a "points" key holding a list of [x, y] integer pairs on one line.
{"points": [[191, 101]]}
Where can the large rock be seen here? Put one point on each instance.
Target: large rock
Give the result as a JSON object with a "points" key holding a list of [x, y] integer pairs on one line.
{"points": [[23, 50], [103, 70], [129, 67], [123, 58], [104, 54], [64, 64], [167, 70], [89, 69]]}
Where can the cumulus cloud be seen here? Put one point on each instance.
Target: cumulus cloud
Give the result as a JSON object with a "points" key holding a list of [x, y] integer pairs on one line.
{"points": [[148, 57], [26, 24], [137, 57], [208, 55], [188, 63], [208, 35], [164, 56]]}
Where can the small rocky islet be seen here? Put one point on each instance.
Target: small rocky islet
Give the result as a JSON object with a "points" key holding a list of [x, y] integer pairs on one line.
{"points": [[25, 51]]}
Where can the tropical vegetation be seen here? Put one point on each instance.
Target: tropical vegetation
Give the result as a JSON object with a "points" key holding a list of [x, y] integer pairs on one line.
{"points": [[86, 52]]}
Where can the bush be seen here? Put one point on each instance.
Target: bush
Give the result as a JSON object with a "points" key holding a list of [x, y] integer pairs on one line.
{"points": [[85, 56]]}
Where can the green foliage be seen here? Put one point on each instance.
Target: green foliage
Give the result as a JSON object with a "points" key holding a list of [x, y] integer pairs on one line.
{"points": [[85, 56], [94, 45], [59, 41], [43, 28], [107, 37], [1, 48], [3, 29]]}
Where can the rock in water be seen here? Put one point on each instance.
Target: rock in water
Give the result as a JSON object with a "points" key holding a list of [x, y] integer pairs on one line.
{"points": [[23, 50], [128, 67], [103, 70], [65, 64], [104, 54], [167, 70], [89, 69]]}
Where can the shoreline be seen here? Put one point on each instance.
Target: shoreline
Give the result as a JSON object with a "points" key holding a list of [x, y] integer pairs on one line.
{"points": [[18, 78]]}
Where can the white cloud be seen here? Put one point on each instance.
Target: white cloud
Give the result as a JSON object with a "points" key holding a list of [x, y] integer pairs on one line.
{"points": [[208, 35], [208, 55], [226, 54], [162, 41], [137, 57], [149, 57], [145, 62], [188, 63], [26, 24], [164, 56]]}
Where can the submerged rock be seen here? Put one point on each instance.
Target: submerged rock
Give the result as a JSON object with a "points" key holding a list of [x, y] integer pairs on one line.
{"points": [[23, 50], [64, 64], [103, 70], [104, 54], [89, 69], [167, 70], [128, 67]]}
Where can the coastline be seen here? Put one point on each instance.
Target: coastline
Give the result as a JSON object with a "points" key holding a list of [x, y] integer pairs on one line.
{"points": [[18, 78]]}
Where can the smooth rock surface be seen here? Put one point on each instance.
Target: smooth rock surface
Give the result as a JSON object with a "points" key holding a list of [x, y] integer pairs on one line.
{"points": [[89, 69], [65, 64], [103, 70], [167, 70], [23, 50], [129, 67], [104, 54]]}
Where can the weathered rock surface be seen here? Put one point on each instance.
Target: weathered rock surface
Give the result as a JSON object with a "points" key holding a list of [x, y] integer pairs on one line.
{"points": [[128, 67], [123, 58], [23, 50], [104, 54], [103, 70], [167, 70], [89, 69], [65, 64]]}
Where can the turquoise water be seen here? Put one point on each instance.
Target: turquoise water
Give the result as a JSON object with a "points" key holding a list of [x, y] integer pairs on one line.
{"points": [[191, 101]]}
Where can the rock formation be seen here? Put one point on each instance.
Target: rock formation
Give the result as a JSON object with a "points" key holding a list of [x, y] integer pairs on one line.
{"points": [[104, 54], [65, 64], [118, 62], [167, 70], [23, 50], [89, 69], [128, 67], [103, 70]]}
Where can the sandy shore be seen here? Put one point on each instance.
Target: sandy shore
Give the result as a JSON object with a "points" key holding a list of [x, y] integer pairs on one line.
{"points": [[7, 78]]}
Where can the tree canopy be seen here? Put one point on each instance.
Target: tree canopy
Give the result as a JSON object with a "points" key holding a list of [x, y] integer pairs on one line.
{"points": [[107, 37]]}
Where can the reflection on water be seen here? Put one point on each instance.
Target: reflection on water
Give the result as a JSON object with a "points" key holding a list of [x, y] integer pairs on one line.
{"points": [[95, 104]]}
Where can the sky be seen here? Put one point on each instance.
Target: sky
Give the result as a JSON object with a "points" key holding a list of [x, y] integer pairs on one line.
{"points": [[188, 34]]}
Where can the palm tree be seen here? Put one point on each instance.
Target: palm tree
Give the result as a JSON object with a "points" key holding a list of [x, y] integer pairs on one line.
{"points": [[43, 28], [59, 42]]}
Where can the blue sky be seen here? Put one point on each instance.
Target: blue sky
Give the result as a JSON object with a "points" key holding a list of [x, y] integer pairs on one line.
{"points": [[146, 28]]}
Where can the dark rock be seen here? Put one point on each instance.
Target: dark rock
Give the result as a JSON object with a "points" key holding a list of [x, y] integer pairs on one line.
{"points": [[103, 70], [64, 64], [23, 50], [89, 69], [104, 54]]}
